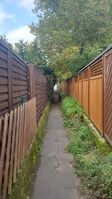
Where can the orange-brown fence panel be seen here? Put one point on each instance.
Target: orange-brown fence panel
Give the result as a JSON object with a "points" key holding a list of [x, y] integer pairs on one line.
{"points": [[86, 91], [17, 130], [96, 94], [76, 88], [72, 87], [81, 89], [108, 95], [92, 87]]}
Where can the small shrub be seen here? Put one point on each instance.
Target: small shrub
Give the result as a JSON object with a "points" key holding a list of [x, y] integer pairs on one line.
{"points": [[71, 108]]}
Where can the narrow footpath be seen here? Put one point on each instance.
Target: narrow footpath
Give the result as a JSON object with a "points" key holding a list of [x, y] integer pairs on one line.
{"points": [[55, 178]]}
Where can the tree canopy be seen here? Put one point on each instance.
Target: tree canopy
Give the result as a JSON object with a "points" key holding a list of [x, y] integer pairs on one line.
{"points": [[68, 34]]}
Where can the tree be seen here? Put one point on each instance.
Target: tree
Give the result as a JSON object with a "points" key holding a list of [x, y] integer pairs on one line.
{"points": [[3, 38], [20, 48], [85, 25]]}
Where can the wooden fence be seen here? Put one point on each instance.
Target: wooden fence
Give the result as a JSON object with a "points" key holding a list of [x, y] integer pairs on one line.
{"points": [[13, 80], [38, 83], [92, 87], [19, 82], [17, 130], [23, 96]]}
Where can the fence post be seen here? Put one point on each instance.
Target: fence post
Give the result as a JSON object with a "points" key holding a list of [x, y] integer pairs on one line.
{"points": [[82, 87], [78, 89], [31, 81], [89, 76], [10, 102], [104, 95]]}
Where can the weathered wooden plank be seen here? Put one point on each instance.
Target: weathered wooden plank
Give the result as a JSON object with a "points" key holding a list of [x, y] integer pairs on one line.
{"points": [[16, 145], [3, 105], [3, 149], [3, 72], [19, 82], [12, 152], [18, 76], [7, 161], [19, 140], [1, 123], [20, 88], [3, 55], [20, 93], [3, 97], [18, 70], [3, 64]]}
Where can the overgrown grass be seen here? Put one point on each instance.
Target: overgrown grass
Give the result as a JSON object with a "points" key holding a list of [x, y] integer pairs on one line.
{"points": [[24, 177], [92, 165]]}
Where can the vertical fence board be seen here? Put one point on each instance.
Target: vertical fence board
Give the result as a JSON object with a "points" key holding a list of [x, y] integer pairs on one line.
{"points": [[3, 150], [19, 128], [12, 152], [16, 145], [7, 161]]}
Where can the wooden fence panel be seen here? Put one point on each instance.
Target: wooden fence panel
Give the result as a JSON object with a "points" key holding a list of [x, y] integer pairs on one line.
{"points": [[96, 102], [96, 94], [20, 82], [39, 84], [108, 96], [14, 80], [16, 139], [4, 97], [76, 88], [81, 89], [86, 96], [88, 90], [73, 87]]}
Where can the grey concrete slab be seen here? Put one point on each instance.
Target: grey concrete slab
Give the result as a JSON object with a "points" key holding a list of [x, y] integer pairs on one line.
{"points": [[55, 178]]}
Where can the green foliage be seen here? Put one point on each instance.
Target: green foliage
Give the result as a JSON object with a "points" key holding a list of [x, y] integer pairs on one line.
{"points": [[31, 53], [20, 48], [71, 107], [88, 54], [25, 175], [92, 165], [51, 79], [3, 38], [73, 32]]}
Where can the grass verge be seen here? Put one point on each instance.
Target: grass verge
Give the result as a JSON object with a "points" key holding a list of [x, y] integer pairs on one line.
{"points": [[93, 165], [24, 176]]}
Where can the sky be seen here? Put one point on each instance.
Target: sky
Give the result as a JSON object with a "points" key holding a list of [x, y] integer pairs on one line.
{"points": [[15, 16]]}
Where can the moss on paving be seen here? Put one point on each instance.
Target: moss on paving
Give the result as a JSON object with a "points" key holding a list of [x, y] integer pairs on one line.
{"points": [[92, 154], [24, 176]]}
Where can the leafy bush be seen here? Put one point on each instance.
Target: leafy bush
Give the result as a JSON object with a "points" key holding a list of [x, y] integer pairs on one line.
{"points": [[71, 107], [93, 166]]}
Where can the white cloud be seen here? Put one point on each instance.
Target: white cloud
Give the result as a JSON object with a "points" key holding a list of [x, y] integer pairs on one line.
{"points": [[26, 3], [20, 33], [4, 15]]}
